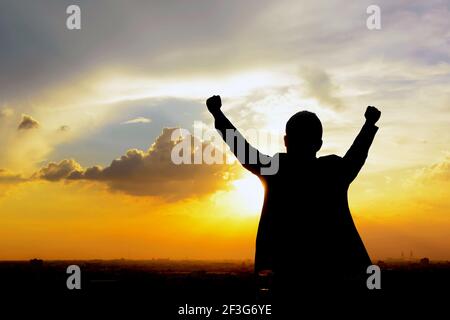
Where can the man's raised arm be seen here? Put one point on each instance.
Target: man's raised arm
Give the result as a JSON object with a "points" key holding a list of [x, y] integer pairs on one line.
{"points": [[247, 155], [357, 154]]}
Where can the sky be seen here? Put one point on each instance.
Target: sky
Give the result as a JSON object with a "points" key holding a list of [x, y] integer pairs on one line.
{"points": [[86, 118]]}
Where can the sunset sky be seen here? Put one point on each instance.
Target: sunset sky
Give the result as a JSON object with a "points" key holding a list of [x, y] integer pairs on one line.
{"points": [[72, 101]]}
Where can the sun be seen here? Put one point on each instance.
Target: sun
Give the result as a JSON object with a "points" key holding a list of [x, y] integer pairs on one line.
{"points": [[248, 194]]}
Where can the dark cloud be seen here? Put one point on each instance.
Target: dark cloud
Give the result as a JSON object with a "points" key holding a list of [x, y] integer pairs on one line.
{"points": [[28, 123], [57, 171], [149, 173], [166, 37], [141, 35]]}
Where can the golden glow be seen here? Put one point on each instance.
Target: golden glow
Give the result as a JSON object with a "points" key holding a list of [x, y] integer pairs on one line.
{"points": [[122, 87], [75, 220], [249, 194]]}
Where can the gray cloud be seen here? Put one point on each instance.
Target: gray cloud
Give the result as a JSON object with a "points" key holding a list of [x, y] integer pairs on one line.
{"points": [[148, 173], [57, 171], [28, 123], [139, 35], [166, 38]]}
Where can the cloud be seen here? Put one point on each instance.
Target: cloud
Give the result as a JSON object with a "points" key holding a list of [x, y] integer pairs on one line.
{"points": [[149, 173], [64, 128], [66, 75], [56, 54], [28, 123], [319, 85], [57, 171], [7, 177], [138, 120], [438, 172]]}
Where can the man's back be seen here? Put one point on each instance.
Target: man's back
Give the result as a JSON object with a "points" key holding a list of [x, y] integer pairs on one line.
{"points": [[305, 225]]}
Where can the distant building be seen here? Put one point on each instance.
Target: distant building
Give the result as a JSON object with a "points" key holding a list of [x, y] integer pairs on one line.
{"points": [[425, 261]]}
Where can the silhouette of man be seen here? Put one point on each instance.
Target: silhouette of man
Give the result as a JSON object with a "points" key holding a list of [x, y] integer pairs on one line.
{"points": [[306, 235]]}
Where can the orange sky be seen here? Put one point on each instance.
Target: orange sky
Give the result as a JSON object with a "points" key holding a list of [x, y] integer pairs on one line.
{"points": [[85, 220], [86, 117]]}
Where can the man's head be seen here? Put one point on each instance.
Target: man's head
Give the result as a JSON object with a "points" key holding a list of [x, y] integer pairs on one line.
{"points": [[303, 134]]}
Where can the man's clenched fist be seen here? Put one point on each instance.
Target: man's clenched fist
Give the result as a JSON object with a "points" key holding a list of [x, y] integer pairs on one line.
{"points": [[214, 103], [372, 115]]}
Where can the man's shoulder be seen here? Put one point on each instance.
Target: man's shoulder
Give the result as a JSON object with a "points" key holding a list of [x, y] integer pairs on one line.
{"points": [[330, 158], [330, 162], [282, 156]]}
